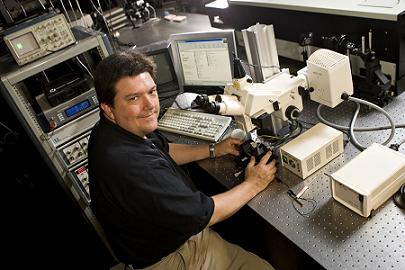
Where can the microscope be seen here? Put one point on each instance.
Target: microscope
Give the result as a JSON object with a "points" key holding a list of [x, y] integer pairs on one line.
{"points": [[269, 109], [265, 106], [274, 104]]}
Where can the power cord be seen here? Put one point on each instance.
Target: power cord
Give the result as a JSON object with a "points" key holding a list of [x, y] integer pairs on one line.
{"points": [[276, 141], [82, 15], [298, 200], [85, 67], [309, 203], [149, 6], [66, 13], [110, 30], [353, 137], [351, 127]]}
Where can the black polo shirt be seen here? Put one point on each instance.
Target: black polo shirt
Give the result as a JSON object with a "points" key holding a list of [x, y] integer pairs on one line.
{"points": [[144, 201]]}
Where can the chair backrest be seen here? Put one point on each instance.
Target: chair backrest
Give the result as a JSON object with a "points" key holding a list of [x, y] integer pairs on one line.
{"points": [[100, 231]]}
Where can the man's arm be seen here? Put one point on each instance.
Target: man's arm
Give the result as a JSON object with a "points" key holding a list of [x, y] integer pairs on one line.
{"points": [[185, 153], [257, 178]]}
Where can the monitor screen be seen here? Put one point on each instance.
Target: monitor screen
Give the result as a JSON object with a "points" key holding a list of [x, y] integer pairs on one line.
{"points": [[166, 80], [164, 69], [203, 59]]}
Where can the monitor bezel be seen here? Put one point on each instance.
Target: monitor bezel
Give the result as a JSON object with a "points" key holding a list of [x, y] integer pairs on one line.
{"points": [[211, 34], [166, 97], [167, 53]]}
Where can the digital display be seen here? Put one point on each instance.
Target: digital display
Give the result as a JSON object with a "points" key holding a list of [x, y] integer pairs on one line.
{"points": [[77, 108], [24, 44]]}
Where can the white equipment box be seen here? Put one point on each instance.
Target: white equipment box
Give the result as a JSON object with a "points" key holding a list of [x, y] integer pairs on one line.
{"points": [[369, 179], [311, 150], [330, 76]]}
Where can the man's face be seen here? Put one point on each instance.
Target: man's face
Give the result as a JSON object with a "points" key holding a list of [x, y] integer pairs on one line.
{"points": [[136, 104]]}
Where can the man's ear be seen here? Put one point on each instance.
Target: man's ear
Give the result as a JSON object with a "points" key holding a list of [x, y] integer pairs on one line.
{"points": [[107, 111]]}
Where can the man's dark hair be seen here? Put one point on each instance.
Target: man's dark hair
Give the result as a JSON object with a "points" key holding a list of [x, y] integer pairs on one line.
{"points": [[117, 66]]}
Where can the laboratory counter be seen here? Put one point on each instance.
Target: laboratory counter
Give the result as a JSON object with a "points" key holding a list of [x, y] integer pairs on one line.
{"points": [[381, 10], [155, 34], [331, 234]]}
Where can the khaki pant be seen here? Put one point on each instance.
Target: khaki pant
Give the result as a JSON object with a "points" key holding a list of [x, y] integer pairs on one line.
{"points": [[208, 251]]}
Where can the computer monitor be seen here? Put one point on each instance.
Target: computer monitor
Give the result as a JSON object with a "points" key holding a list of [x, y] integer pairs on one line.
{"points": [[166, 80], [203, 60]]}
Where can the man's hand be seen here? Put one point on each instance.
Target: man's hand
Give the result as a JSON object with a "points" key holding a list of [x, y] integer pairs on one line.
{"points": [[261, 174], [228, 146], [257, 177]]}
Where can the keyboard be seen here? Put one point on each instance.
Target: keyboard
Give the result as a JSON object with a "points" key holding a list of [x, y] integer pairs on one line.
{"points": [[205, 126]]}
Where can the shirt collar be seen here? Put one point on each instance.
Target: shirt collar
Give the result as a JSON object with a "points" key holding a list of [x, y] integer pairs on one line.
{"points": [[112, 125]]}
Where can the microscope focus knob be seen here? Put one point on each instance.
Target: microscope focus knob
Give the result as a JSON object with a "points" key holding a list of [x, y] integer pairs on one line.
{"points": [[292, 112]]}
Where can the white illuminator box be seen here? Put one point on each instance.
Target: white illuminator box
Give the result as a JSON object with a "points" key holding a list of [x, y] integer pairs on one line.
{"points": [[369, 179], [311, 150]]}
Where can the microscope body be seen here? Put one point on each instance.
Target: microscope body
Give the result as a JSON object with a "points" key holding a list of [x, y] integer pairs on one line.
{"points": [[278, 98]]}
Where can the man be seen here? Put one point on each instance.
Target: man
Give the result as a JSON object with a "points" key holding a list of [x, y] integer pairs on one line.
{"points": [[152, 214]]}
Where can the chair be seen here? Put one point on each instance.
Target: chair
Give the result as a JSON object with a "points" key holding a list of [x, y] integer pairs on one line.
{"points": [[100, 231]]}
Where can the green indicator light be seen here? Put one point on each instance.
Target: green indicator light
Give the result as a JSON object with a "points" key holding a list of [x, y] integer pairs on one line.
{"points": [[19, 46], [285, 159]]}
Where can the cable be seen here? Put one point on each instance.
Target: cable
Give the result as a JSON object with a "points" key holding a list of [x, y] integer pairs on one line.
{"points": [[351, 135], [378, 108], [99, 5], [110, 30], [294, 125], [6, 127], [81, 13], [94, 6], [306, 123], [84, 66], [295, 130], [147, 10], [304, 202], [22, 7], [153, 9], [42, 4], [64, 9], [53, 7], [401, 142], [354, 118], [9, 132], [74, 13], [347, 128]]}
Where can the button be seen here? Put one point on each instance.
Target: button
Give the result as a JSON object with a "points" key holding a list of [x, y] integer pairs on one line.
{"points": [[52, 125]]}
